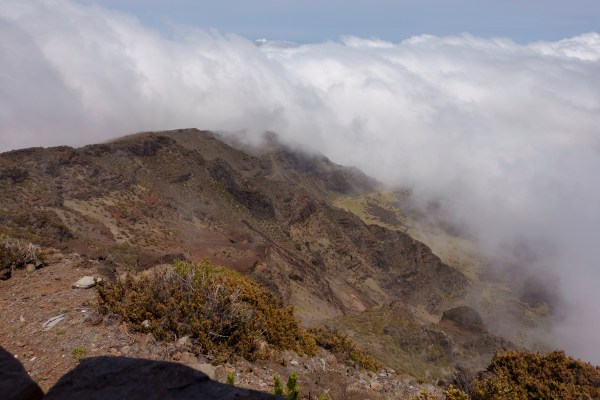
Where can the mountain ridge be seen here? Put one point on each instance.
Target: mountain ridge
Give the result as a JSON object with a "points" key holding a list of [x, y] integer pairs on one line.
{"points": [[268, 212]]}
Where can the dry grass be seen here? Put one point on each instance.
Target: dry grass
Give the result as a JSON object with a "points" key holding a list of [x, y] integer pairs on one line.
{"points": [[17, 253]]}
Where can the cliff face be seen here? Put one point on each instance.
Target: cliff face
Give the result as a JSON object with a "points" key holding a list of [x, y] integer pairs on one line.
{"points": [[150, 198]]}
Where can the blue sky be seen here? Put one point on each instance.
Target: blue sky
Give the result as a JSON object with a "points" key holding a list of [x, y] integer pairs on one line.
{"points": [[315, 21]]}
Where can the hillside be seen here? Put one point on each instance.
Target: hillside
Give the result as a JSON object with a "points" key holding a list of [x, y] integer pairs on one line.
{"points": [[295, 223]]}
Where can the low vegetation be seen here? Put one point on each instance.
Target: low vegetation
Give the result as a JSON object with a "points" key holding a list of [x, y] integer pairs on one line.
{"points": [[521, 375], [17, 253], [341, 345], [222, 311], [79, 354], [291, 390], [516, 375]]}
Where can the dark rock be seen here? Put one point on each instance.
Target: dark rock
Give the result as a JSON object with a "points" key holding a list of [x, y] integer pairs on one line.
{"points": [[16, 175], [255, 201], [149, 146], [5, 274], [465, 318], [15, 383], [182, 178], [129, 378]]}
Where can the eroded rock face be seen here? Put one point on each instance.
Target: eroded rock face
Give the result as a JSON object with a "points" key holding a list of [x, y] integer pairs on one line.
{"points": [[15, 383], [136, 379]]}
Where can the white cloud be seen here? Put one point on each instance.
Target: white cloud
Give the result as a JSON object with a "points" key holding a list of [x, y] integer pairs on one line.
{"points": [[505, 134]]}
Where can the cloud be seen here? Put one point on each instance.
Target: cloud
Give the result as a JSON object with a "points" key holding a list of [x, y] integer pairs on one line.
{"points": [[504, 135]]}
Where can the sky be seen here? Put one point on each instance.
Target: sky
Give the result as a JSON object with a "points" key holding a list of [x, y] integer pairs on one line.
{"points": [[312, 21], [492, 112]]}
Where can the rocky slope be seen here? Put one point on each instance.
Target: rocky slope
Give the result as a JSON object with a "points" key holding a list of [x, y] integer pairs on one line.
{"points": [[271, 213], [50, 326]]}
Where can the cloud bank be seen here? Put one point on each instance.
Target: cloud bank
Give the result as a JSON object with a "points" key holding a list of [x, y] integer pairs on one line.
{"points": [[506, 136]]}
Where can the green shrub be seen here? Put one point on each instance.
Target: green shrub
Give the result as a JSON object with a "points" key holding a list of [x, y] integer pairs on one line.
{"points": [[516, 375], [222, 311], [277, 386], [292, 391], [230, 379], [78, 354], [16, 253], [340, 344]]}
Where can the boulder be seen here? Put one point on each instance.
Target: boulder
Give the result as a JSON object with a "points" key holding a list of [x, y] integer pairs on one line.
{"points": [[464, 318], [207, 369], [86, 282], [100, 378], [15, 383]]}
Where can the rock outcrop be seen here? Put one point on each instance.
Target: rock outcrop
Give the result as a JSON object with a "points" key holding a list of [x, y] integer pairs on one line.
{"points": [[15, 383]]}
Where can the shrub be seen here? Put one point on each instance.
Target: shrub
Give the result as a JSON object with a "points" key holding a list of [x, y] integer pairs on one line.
{"points": [[78, 354], [522, 375], [424, 395], [230, 379], [453, 393], [292, 391], [222, 311], [340, 344], [277, 386], [16, 253]]}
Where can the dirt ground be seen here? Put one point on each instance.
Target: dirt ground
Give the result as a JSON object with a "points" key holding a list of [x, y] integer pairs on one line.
{"points": [[29, 299]]}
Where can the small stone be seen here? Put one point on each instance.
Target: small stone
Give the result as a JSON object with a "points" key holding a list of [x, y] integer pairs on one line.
{"points": [[183, 341], [52, 322], [125, 349], [123, 328], [375, 385], [21, 319], [54, 257], [294, 363], [208, 369], [188, 358], [146, 324], [86, 282], [30, 268]]}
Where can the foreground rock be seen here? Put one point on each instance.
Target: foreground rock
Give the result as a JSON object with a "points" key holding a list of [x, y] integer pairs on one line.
{"points": [[131, 378], [15, 383]]}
